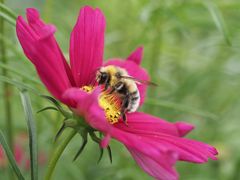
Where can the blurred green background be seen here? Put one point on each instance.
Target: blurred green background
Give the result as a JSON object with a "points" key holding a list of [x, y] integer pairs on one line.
{"points": [[191, 49]]}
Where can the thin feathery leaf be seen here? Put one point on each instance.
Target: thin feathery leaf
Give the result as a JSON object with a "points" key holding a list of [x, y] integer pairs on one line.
{"points": [[109, 153], [7, 10], [218, 20], [84, 142], [101, 155], [7, 18], [56, 103], [60, 131], [47, 108], [98, 140]]}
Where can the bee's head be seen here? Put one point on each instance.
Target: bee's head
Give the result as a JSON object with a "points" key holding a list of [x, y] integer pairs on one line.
{"points": [[102, 76]]}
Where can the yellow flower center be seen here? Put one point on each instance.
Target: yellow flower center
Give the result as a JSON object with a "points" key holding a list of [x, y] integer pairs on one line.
{"points": [[111, 104]]}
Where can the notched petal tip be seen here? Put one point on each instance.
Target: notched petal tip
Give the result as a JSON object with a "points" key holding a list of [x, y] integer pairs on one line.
{"points": [[87, 44], [24, 33], [136, 55], [184, 128], [90, 11], [87, 8], [214, 153], [20, 21], [32, 15]]}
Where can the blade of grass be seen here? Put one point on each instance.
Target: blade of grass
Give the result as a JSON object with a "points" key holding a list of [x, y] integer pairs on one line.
{"points": [[10, 157], [218, 20], [32, 133], [180, 107]]}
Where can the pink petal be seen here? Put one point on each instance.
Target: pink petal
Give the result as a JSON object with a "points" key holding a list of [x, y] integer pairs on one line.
{"points": [[87, 45], [145, 122], [190, 150], [133, 70], [87, 105], [160, 169], [166, 135], [40, 47], [154, 148], [136, 55], [187, 149], [37, 25]]}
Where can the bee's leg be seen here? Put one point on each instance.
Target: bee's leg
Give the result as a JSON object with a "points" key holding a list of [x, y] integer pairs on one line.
{"points": [[107, 83], [117, 87], [124, 118], [106, 86], [112, 90], [125, 104]]}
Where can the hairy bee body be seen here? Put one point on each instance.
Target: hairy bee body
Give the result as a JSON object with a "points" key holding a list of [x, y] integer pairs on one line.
{"points": [[112, 78]]}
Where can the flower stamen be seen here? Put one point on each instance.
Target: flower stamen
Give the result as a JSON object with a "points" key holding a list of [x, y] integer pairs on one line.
{"points": [[110, 103]]}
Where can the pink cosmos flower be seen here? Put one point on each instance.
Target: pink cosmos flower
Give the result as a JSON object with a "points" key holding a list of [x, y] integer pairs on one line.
{"points": [[154, 143]]}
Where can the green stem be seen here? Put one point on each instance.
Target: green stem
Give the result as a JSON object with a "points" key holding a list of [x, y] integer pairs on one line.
{"points": [[7, 92], [6, 89], [57, 153]]}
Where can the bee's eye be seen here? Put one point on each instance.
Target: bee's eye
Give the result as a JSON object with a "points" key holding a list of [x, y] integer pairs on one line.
{"points": [[103, 78]]}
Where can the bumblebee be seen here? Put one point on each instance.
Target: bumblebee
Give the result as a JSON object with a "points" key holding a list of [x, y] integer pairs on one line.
{"points": [[117, 80]]}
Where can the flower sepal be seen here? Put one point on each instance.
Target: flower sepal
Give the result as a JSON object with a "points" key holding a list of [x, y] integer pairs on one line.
{"points": [[56, 106], [84, 130]]}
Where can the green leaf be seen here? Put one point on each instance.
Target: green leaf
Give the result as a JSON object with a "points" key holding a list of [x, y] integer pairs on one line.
{"points": [[17, 84], [32, 133], [23, 75], [7, 14], [218, 20], [10, 157]]}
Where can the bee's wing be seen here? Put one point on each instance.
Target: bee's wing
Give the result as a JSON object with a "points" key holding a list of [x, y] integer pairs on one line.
{"points": [[149, 83]]}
